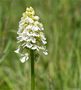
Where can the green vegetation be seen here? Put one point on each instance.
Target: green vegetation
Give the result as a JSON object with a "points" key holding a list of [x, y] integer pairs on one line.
{"points": [[61, 69]]}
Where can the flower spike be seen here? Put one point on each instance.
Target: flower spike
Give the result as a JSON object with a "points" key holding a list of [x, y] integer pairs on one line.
{"points": [[30, 35]]}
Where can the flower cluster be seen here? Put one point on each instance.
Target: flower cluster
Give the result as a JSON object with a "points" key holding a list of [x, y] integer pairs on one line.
{"points": [[30, 35]]}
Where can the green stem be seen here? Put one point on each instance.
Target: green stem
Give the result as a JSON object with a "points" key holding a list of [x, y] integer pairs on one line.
{"points": [[32, 71]]}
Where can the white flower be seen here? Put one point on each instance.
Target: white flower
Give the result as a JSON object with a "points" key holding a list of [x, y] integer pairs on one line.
{"points": [[46, 53], [36, 17], [42, 36], [35, 35], [44, 42], [19, 30], [33, 40], [17, 51], [35, 47], [28, 27], [29, 20], [24, 57], [30, 35], [35, 28], [28, 45]]}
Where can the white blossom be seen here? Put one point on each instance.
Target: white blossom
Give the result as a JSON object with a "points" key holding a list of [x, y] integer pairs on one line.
{"points": [[29, 20], [17, 50], [30, 35], [46, 53], [35, 28], [28, 45], [35, 47], [24, 57], [36, 17]]}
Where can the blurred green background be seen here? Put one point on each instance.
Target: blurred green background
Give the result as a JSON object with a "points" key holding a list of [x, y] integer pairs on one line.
{"points": [[61, 69]]}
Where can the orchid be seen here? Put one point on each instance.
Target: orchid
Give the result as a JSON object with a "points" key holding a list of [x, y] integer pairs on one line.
{"points": [[30, 35]]}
